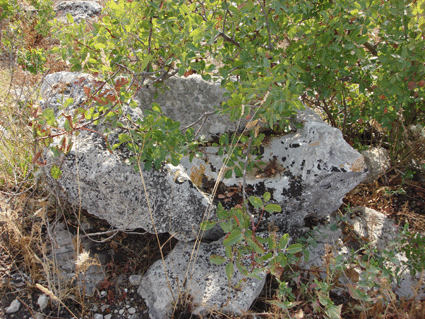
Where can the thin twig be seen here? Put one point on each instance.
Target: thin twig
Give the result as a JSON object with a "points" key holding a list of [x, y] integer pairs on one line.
{"points": [[224, 20], [227, 39], [244, 172], [267, 24], [205, 115]]}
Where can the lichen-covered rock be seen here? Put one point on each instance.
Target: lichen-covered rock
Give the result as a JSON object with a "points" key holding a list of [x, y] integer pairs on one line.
{"points": [[79, 10], [186, 100], [308, 172], [190, 276], [377, 161]]}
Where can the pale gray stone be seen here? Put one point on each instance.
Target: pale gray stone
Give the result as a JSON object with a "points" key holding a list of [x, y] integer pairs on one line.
{"points": [[377, 161], [195, 277], [98, 316], [38, 315], [411, 286], [64, 255], [108, 316], [131, 311], [315, 168], [373, 226], [80, 10], [43, 301], [13, 307], [135, 280], [186, 99]]}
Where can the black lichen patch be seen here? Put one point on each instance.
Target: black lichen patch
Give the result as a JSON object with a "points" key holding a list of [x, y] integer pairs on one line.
{"points": [[295, 188], [294, 145]]}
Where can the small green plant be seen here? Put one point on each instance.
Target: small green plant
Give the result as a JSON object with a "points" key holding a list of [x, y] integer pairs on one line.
{"points": [[32, 60], [413, 246], [241, 240]]}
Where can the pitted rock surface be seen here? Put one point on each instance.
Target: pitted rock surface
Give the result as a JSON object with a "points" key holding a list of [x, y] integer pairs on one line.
{"points": [[186, 99], [79, 10], [190, 274], [315, 168]]}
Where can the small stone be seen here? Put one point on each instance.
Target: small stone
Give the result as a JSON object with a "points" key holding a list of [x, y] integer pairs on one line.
{"points": [[108, 317], [98, 316], [38, 315], [14, 306], [121, 311], [103, 308], [135, 280], [103, 293], [131, 311], [42, 301]]}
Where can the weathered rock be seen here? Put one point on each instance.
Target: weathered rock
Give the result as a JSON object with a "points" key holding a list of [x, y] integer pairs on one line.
{"points": [[373, 226], [327, 242], [64, 254], [135, 280], [186, 99], [43, 301], [313, 169], [13, 307], [365, 226], [190, 276], [80, 10], [377, 161]]}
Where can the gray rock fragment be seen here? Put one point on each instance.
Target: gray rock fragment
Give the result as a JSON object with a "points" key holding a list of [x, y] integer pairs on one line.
{"points": [[135, 280], [64, 254], [13, 307], [80, 10], [186, 99], [198, 280], [377, 161], [42, 301]]}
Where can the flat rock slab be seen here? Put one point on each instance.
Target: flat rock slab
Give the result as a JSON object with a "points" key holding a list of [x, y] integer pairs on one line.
{"points": [[315, 168], [189, 274]]}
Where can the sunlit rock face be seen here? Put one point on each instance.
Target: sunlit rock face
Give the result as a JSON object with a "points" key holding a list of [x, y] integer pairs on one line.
{"points": [[307, 171]]}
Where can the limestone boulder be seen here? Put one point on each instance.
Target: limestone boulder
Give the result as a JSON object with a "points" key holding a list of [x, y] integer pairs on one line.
{"points": [[308, 171], [186, 100], [187, 276], [79, 10]]}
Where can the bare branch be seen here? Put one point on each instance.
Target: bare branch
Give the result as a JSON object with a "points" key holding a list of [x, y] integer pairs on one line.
{"points": [[227, 39], [203, 116]]}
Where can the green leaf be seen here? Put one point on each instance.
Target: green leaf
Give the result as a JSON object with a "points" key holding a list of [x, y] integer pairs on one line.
{"points": [[234, 237], [49, 116], [273, 208], [217, 260], [55, 171], [255, 201], [70, 18], [238, 171], [229, 271], [68, 102], [255, 245], [207, 225], [294, 248], [283, 242], [156, 108], [228, 173], [266, 197], [67, 126]]}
